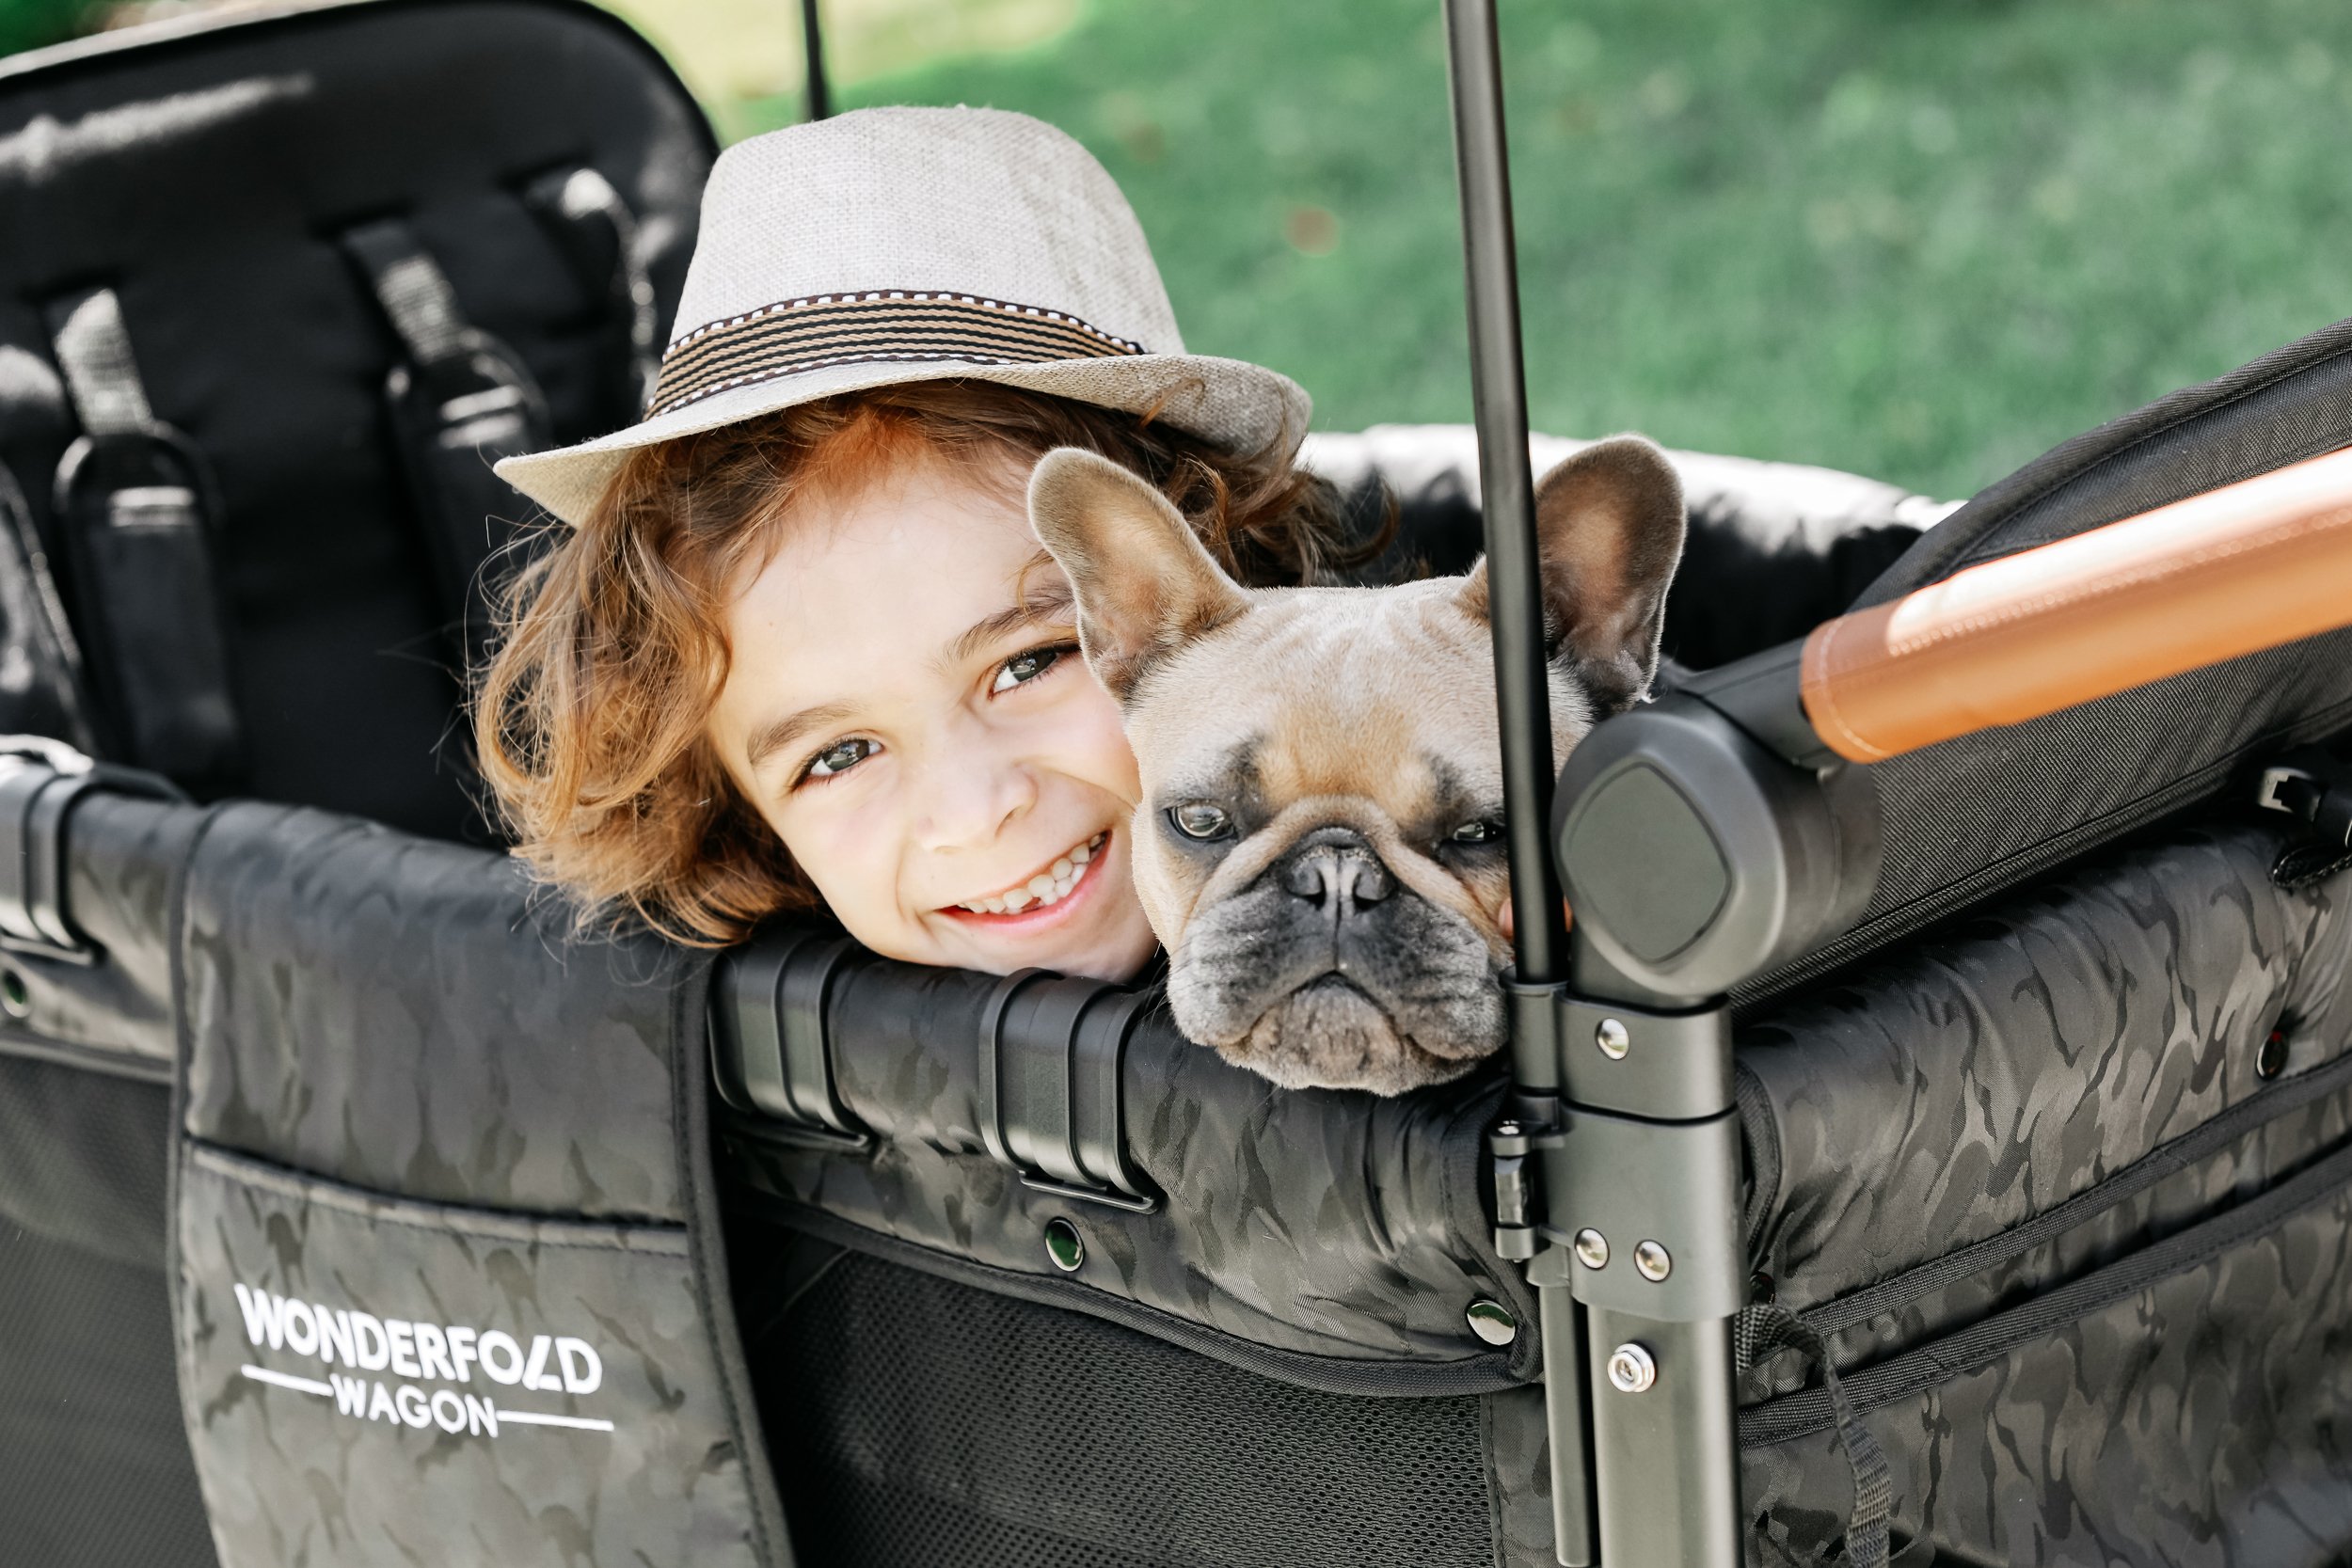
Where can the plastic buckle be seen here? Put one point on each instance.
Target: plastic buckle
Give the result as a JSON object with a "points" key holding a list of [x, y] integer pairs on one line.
{"points": [[1052, 1052], [769, 1053]]}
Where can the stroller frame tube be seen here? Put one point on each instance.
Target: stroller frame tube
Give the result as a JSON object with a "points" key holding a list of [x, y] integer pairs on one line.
{"points": [[1659, 1463]]}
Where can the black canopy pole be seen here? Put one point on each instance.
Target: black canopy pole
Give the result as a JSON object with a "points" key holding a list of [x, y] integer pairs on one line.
{"points": [[1522, 693], [1498, 393], [820, 97]]}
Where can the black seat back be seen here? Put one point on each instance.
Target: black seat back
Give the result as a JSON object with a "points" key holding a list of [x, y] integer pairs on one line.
{"points": [[274, 293]]}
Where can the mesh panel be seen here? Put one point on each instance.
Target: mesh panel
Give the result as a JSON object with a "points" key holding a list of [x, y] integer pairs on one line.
{"points": [[94, 1465], [918, 1421]]}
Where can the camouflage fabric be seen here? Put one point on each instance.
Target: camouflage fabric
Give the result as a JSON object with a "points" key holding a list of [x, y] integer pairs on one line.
{"points": [[2196, 1422], [125, 852], [1518, 1477], [400, 1015], [445, 1290], [1947, 1095], [1325, 1224], [384, 1452]]}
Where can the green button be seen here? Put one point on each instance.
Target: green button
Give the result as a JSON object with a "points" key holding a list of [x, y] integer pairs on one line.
{"points": [[1064, 1246]]}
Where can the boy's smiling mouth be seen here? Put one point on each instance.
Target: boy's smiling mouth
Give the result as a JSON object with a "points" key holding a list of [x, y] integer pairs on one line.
{"points": [[1045, 890]]}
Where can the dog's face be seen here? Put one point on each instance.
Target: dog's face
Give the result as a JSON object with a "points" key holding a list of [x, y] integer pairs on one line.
{"points": [[1320, 842]]}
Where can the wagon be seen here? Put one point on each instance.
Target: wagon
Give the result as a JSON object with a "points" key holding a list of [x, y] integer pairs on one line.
{"points": [[1932, 1136]]}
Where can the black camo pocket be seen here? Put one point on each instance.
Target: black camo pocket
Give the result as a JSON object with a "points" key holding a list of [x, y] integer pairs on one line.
{"points": [[370, 1380]]}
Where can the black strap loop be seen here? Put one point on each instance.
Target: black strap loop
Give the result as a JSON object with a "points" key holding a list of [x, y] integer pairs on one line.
{"points": [[1762, 1331], [461, 400], [596, 226], [136, 501]]}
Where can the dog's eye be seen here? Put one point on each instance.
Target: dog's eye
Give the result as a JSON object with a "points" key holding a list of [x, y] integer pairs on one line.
{"points": [[1478, 833], [1201, 819]]}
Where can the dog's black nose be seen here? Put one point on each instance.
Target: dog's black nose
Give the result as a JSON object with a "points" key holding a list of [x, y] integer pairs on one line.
{"points": [[1337, 872]]}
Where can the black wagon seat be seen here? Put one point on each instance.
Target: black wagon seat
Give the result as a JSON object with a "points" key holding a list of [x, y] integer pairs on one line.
{"points": [[353, 1211]]}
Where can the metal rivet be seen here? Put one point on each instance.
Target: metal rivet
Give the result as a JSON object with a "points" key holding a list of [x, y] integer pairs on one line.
{"points": [[1492, 1321], [1651, 1260], [1064, 1246], [16, 997], [1630, 1370], [1613, 1039], [1592, 1248], [2272, 1059]]}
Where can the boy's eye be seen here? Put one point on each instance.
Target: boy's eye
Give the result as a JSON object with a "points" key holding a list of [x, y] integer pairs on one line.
{"points": [[1027, 666], [839, 757]]}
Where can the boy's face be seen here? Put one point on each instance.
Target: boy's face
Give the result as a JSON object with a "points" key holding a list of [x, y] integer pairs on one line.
{"points": [[906, 707]]}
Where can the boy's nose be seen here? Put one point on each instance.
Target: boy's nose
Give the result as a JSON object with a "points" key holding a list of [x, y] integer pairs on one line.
{"points": [[967, 801]]}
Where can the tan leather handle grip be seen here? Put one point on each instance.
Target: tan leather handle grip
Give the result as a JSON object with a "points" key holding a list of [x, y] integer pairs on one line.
{"points": [[2232, 572]]}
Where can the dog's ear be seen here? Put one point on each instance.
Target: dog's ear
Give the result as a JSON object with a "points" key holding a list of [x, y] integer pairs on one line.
{"points": [[1145, 584], [1609, 522]]}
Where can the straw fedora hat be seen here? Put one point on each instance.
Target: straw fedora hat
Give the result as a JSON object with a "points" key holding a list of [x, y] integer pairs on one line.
{"points": [[901, 244]]}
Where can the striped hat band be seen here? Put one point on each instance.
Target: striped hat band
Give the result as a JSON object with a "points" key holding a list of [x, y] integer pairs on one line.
{"points": [[798, 335]]}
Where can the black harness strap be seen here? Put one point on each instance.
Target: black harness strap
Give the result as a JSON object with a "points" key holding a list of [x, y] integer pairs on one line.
{"points": [[134, 500], [41, 690], [594, 223], [461, 400]]}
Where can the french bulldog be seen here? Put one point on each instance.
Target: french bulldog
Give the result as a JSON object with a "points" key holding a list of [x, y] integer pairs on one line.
{"points": [[1319, 845]]}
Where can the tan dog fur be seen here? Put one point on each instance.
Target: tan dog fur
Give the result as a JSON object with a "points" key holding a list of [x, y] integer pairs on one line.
{"points": [[1347, 734]]}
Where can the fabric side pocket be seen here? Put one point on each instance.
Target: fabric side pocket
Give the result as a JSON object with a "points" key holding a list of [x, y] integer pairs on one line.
{"points": [[376, 1381]]}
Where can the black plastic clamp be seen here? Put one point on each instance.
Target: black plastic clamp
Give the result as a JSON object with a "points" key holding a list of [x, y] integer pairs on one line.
{"points": [[2313, 787], [1052, 1052], [41, 782], [769, 1055], [1518, 1191]]}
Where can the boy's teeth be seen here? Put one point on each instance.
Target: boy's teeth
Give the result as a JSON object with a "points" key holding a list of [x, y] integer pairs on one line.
{"points": [[1046, 887]]}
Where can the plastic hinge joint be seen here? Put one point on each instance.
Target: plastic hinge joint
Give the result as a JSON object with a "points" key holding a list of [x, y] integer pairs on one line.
{"points": [[770, 1057], [1673, 1184], [1053, 1054]]}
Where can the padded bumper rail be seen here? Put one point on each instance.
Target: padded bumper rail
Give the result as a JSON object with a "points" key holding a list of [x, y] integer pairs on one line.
{"points": [[40, 783], [1051, 1056]]}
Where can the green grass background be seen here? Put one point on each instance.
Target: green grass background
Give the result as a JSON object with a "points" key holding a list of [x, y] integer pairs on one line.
{"points": [[1923, 239]]}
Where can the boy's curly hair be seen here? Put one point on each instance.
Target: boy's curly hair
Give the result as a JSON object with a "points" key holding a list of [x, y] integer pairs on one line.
{"points": [[590, 718]]}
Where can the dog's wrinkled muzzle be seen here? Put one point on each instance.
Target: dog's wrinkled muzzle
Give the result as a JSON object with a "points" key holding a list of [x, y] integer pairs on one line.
{"points": [[1331, 967]]}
